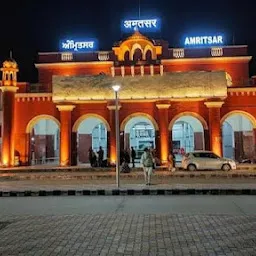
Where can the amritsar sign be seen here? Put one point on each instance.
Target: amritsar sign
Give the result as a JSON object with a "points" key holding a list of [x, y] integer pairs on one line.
{"points": [[143, 25], [204, 40], [72, 45]]}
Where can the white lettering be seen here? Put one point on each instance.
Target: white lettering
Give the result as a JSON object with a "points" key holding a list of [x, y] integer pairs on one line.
{"points": [[198, 41], [128, 23], [149, 23], [187, 42], [214, 40], [220, 40], [203, 40], [76, 46]]}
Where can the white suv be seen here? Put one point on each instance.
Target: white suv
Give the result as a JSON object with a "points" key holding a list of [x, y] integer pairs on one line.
{"points": [[206, 160]]}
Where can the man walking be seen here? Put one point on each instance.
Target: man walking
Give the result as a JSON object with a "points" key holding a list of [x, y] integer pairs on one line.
{"points": [[147, 163]]}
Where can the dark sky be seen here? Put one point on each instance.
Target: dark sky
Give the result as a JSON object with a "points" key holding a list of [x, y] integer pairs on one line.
{"points": [[28, 27]]}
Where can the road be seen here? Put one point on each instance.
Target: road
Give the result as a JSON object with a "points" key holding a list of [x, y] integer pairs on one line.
{"points": [[129, 225]]}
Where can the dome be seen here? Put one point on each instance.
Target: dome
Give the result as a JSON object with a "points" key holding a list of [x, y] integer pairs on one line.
{"points": [[136, 36], [10, 63]]}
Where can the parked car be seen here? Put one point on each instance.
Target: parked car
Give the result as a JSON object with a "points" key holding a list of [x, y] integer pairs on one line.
{"points": [[206, 160]]}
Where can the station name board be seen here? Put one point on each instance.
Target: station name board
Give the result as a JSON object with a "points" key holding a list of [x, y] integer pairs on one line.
{"points": [[204, 40], [143, 25], [78, 45]]}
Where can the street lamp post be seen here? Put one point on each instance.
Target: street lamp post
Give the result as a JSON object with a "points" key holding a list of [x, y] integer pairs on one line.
{"points": [[116, 89]]}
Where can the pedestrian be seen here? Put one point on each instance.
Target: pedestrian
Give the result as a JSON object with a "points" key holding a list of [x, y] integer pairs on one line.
{"points": [[171, 162], [127, 156], [133, 155], [94, 159], [90, 156], [147, 162], [100, 156]]}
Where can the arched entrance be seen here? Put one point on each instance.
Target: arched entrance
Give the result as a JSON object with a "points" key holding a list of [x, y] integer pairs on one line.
{"points": [[187, 135], [139, 132], [238, 140], [44, 140], [91, 131]]}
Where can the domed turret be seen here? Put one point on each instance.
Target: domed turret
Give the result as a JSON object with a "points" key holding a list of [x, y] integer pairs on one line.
{"points": [[10, 63], [9, 69]]}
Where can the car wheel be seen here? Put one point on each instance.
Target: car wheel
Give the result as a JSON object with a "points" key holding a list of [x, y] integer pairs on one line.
{"points": [[191, 168], [226, 167]]}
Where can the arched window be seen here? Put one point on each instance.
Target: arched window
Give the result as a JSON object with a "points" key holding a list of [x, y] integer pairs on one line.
{"points": [[137, 55], [126, 56], [148, 55]]}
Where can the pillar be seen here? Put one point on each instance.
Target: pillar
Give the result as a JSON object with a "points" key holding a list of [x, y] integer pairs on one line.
{"points": [[8, 101], [163, 121], [65, 134], [215, 136], [206, 140], [254, 143], [112, 133]]}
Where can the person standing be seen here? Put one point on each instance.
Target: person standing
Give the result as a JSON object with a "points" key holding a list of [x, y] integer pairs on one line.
{"points": [[133, 155], [90, 156], [147, 164], [100, 156], [171, 162]]}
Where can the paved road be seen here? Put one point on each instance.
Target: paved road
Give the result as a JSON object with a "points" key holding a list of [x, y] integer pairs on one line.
{"points": [[176, 225]]}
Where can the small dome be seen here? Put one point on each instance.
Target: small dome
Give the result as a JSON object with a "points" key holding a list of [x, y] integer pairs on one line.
{"points": [[137, 35], [10, 63]]}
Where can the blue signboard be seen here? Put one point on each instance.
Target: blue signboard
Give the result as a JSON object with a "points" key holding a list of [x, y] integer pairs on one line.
{"points": [[143, 25], [204, 40], [72, 45]]}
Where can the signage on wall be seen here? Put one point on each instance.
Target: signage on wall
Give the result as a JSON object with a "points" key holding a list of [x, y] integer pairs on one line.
{"points": [[72, 45], [143, 25], [204, 40]]}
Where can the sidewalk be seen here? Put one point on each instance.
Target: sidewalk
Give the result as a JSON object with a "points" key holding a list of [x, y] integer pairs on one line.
{"points": [[182, 186]]}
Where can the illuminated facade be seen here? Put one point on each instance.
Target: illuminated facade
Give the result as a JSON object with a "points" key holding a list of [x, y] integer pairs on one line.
{"points": [[178, 99]]}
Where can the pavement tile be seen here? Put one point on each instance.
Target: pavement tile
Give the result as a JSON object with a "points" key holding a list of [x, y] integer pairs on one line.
{"points": [[124, 234]]}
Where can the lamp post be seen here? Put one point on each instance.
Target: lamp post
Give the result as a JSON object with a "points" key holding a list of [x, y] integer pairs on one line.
{"points": [[116, 89]]}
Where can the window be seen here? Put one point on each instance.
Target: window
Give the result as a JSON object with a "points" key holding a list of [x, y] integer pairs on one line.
{"points": [[67, 56], [216, 51], [178, 53]]}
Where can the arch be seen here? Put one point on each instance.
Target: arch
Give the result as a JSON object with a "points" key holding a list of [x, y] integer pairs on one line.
{"points": [[125, 49], [127, 55], [187, 113], [146, 49], [239, 112], [34, 120], [128, 118], [84, 117], [134, 48], [137, 55]]}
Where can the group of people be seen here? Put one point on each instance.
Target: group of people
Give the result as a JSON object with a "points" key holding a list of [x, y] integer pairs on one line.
{"points": [[125, 159], [148, 161], [96, 158]]}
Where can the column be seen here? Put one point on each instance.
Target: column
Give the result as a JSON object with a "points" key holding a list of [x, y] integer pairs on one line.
{"points": [[214, 126], [112, 133], [163, 121], [8, 102], [65, 134], [254, 143]]}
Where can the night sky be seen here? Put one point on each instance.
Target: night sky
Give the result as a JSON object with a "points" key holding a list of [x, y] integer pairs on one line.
{"points": [[29, 27]]}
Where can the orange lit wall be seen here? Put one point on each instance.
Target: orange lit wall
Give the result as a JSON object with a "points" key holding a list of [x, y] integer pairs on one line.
{"points": [[239, 71], [45, 73]]}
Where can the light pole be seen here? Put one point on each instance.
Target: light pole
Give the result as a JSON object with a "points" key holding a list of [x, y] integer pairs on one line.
{"points": [[116, 89]]}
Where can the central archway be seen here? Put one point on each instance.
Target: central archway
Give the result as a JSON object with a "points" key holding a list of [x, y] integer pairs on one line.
{"points": [[91, 133], [187, 133], [139, 132]]}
